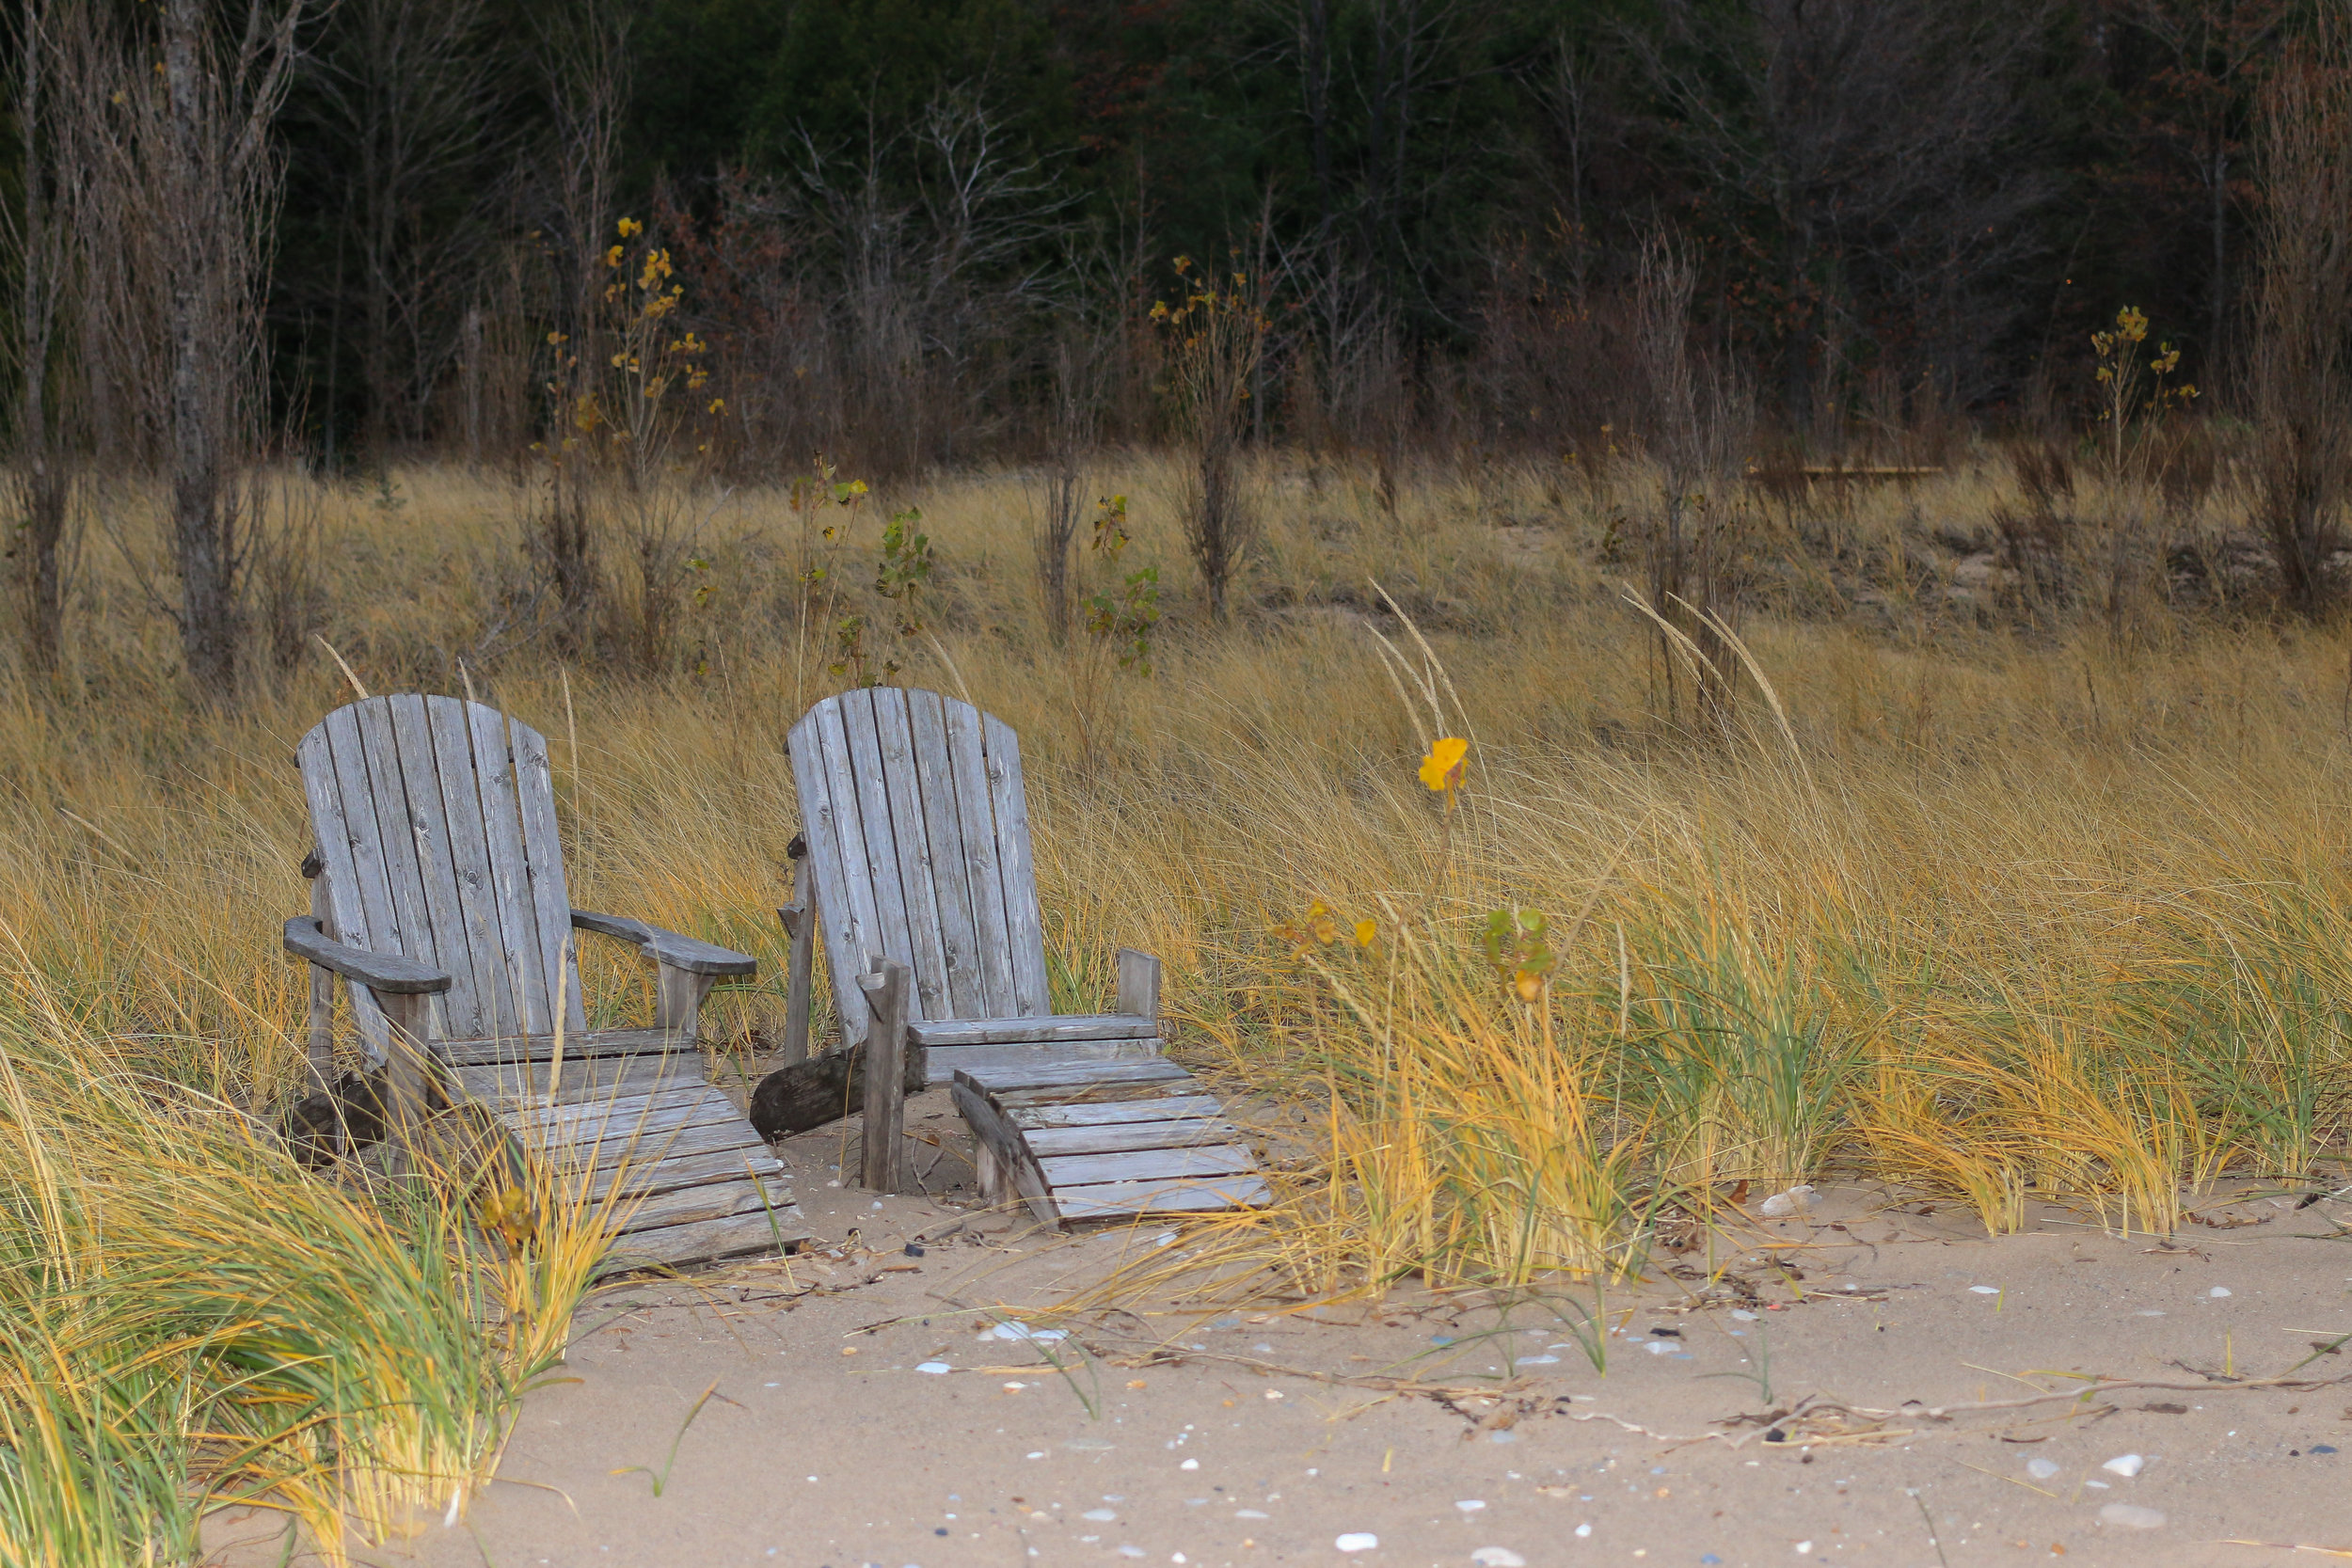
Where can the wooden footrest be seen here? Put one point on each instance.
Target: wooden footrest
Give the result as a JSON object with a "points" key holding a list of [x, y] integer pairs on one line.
{"points": [[701, 1182], [950, 1045], [1104, 1140]]}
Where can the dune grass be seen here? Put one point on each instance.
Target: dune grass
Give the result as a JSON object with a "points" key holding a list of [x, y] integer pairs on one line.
{"points": [[1996, 908]]}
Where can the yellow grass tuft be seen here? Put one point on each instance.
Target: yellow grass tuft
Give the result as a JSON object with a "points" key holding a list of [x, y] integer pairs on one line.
{"points": [[1999, 915]]}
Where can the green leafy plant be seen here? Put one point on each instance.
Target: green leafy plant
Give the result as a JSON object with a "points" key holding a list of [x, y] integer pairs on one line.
{"points": [[1516, 946], [901, 574], [1124, 615]]}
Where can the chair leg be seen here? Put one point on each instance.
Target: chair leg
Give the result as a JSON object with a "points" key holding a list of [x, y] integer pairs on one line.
{"points": [[677, 1008], [320, 1052], [989, 1174], [799, 925], [411, 1044], [1140, 985], [887, 995], [321, 1045]]}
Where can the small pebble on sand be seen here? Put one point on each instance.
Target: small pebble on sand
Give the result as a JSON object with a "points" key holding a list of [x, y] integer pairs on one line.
{"points": [[2131, 1516], [1357, 1541]]}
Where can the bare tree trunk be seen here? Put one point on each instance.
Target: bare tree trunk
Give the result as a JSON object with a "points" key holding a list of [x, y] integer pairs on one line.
{"points": [[2302, 358], [176, 216], [585, 65], [2217, 304], [204, 533], [44, 251], [1077, 420], [409, 87]]}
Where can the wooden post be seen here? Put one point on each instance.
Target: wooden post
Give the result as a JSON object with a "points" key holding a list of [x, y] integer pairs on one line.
{"points": [[410, 1016], [677, 1002], [1140, 985], [322, 1040], [887, 993], [800, 923]]}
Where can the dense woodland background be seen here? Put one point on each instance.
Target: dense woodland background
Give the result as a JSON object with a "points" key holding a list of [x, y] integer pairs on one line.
{"points": [[598, 242], [1887, 199]]}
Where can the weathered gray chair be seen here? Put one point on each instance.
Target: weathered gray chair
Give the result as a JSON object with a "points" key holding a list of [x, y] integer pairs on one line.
{"points": [[917, 824], [438, 895], [916, 820]]}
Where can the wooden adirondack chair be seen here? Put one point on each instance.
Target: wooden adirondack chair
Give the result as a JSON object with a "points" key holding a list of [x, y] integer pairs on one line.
{"points": [[917, 824], [438, 895], [917, 821]]}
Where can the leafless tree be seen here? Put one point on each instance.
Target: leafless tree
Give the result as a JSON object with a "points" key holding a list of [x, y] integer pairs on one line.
{"points": [[1697, 424], [922, 249], [181, 205], [1868, 134], [43, 242], [583, 63], [1079, 367], [1218, 338], [409, 90], [2216, 49], [2303, 356]]}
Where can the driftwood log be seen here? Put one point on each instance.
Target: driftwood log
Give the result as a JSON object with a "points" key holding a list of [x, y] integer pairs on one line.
{"points": [[800, 1094]]}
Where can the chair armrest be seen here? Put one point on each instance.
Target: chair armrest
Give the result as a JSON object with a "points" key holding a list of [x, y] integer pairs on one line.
{"points": [[668, 948], [386, 971]]}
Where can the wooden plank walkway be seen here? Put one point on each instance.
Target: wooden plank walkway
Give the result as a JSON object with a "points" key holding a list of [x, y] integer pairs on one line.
{"points": [[704, 1183], [1111, 1139]]}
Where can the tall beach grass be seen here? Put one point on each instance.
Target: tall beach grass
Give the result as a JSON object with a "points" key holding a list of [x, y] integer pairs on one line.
{"points": [[1996, 907]]}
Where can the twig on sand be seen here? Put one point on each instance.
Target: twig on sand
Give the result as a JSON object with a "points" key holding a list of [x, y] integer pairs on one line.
{"points": [[2093, 1389], [2290, 1546]]}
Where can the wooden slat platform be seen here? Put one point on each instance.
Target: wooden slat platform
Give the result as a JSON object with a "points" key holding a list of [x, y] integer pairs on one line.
{"points": [[1103, 1139], [587, 1046], [703, 1182], [942, 1062]]}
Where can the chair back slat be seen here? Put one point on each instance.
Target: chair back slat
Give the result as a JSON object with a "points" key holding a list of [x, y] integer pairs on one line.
{"points": [[967, 760], [351, 852], [436, 827], [835, 831], [526, 760], [499, 1000], [951, 874], [911, 835], [428, 857], [523, 957], [913, 808], [1024, 929], [880, 844]]}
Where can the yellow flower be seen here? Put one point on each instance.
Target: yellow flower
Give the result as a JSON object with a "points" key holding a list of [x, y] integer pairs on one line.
{"points": [[612, 257], [1441, 769], [630, 229], [508, 1212], [1529, 985], [1365, 931]]}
